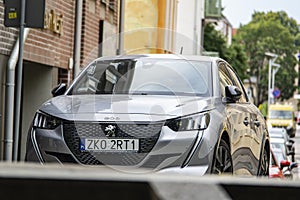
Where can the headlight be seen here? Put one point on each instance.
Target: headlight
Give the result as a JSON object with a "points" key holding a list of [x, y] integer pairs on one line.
{"points": [[45, 121], [188, 123]]}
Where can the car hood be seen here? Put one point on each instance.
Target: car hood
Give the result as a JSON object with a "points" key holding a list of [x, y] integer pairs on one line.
{"points": [[124, 107]]}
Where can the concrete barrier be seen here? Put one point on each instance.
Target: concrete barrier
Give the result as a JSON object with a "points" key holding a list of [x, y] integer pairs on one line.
{"points": [[43, 182]]}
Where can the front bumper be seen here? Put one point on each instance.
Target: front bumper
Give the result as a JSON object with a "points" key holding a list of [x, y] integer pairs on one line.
{"points": [[171, 153]]}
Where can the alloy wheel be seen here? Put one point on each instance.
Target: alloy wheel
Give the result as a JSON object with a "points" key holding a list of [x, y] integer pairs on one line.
{"points": [[223, 160], [264, 164]]}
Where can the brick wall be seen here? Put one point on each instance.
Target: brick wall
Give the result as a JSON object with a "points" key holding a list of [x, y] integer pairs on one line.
{"points": [[48, 47], [53, 45], [93, 12], [44, 45], [7, 35]]}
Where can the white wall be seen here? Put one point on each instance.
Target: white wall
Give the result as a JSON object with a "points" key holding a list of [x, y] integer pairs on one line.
{"points": [[189, 23], [110, 39], [225, 28]]}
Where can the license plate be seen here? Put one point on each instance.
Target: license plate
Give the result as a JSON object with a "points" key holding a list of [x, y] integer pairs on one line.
{"points": [[105, 144]]}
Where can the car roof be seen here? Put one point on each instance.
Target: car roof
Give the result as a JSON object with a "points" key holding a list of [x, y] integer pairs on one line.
{"points": [[277, 140], [276, 135], [277, 130], [162, 56]]}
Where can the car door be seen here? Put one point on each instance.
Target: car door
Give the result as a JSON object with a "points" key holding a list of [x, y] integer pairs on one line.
{"points": [[238, 123], [257, 123]]}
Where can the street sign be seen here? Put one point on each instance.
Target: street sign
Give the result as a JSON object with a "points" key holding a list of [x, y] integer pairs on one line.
{"points": [[34, 13], [276, 93]]}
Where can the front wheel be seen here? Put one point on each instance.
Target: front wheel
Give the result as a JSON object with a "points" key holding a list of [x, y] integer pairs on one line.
{"points": [[222, 163], [263, 169]]}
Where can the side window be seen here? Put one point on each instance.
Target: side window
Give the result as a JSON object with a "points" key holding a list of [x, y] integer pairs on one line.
{"points": [[224, 78], [237, 82]]}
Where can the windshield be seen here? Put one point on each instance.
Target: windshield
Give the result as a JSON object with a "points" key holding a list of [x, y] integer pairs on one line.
{"points": [[280, 146], [280, 114], [146, 76], [279, 155]]}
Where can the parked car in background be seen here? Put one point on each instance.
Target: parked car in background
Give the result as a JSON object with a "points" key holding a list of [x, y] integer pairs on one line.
{"points": [[280, 167], [289, 143], [279, 143], [281, 153], [275, 169], [282, 116], [166, 113]]}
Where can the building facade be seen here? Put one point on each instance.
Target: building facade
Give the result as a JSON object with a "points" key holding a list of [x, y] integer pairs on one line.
{"points": [[150, 26], [164, 26], [99, 29], [49, 53], [189, 31]]}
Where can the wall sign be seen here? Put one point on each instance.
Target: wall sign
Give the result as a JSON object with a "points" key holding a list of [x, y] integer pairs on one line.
{"points": [[12, 13], [54, 22]]}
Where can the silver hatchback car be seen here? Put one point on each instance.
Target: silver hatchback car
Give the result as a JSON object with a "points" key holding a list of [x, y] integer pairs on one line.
{"points": [[159, 112]]}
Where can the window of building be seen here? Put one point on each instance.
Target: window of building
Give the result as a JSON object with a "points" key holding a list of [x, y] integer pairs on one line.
{"points": [[110, 3]]}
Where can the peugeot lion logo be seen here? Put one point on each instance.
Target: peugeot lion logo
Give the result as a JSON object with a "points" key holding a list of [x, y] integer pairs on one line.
{"points": [[110, 131]]}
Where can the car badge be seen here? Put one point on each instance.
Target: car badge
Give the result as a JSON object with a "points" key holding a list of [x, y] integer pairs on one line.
{"points": [[110, 131]]}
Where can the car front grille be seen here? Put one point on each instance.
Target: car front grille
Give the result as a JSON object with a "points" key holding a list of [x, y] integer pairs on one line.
{"points": [[146, 133]]}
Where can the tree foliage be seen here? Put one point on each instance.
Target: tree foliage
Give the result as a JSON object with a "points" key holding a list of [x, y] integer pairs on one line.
{"points": [[271, 32], [235, 54], [237, 57], [214, 40]]}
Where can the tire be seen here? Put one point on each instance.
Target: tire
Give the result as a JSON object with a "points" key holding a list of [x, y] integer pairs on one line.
{"points": [[264, 162], [222, 163]]}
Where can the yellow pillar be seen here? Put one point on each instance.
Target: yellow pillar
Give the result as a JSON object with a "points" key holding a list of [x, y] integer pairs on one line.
{"points": [[161, 24]]}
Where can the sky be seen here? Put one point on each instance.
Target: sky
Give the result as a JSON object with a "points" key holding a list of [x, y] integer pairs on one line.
{"points": [[240, 11]]}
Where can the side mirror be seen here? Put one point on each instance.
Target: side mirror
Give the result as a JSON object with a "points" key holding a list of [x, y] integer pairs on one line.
{"points": [[60, 89], [233, 94]]}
